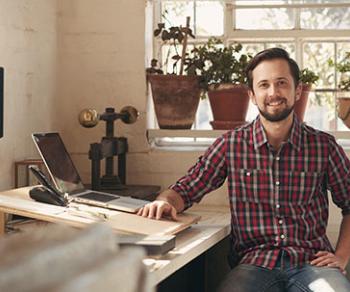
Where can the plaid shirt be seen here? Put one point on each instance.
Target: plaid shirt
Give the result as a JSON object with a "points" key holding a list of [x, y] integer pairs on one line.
{"points": [[278, 200]]}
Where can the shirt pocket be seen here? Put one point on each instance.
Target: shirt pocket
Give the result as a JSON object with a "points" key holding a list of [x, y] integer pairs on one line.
{"points": [[252, 185], [298, 187]]}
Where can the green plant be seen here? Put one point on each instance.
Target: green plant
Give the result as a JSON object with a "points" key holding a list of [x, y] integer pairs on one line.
{"points": [[308, 77], [218, 64], [174, 36], [343, 67]]}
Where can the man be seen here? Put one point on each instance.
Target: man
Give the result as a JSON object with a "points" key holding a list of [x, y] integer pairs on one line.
{"points": [[278, 173]]}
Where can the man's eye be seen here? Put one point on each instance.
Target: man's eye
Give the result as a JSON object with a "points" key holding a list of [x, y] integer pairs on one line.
{"points": [[263, 85], [282, 82]]}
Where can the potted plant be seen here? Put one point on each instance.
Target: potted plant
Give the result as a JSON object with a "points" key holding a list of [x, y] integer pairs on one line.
{"points": [[343, 96], [307, 79], [175, 96], [223, 78]]}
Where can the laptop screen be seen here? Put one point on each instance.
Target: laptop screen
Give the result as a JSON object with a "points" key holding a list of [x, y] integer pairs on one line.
{"points": [[58, 162]]}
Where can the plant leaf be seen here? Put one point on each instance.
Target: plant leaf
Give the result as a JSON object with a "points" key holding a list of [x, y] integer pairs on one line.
{"points": [[176, 57], [156, 32]]}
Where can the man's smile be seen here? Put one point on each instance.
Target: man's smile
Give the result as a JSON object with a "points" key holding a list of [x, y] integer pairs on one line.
{"points": [[275, 102]]}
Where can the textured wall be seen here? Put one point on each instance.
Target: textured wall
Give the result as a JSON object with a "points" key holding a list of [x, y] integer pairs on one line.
{"points": [[101, 64], [28, 47]]}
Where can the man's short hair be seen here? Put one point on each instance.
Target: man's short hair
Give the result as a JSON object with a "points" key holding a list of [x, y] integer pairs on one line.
{"points": [[270, 54]]}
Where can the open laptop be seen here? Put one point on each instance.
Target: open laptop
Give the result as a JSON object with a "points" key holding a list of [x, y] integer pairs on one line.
{"points": [[66, 177]]}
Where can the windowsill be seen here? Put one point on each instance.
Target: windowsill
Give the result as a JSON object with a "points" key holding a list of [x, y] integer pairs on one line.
{"points": [[203, 138], [160, 133]]}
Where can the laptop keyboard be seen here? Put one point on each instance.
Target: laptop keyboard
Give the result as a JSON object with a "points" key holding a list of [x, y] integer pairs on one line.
{"points": [[98, 197]]}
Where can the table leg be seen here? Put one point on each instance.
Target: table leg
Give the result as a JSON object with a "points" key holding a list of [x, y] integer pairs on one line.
{"points": [[2, 223]]}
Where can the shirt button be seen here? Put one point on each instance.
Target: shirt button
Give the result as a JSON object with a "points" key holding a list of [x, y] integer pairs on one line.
{"points": [[280, 221], [248, 173], [277, 158], [277, 183], [278, 206], [282, 236]]}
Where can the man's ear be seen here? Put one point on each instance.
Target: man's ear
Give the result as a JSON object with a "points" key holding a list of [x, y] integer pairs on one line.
{"points": [[252, 96], [298, 91]]}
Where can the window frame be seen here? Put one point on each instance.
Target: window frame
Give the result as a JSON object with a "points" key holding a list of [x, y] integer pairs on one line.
{"points": [[296, 35]]}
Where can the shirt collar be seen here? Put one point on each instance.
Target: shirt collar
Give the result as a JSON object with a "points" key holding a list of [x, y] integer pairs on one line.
{"points": [[260, 138], [295, 133], [259, 135]]}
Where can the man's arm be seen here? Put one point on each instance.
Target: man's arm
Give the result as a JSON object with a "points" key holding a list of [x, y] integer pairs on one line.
{"points": [[168, 203], [338, 178], [208, 173], [341, 256]]}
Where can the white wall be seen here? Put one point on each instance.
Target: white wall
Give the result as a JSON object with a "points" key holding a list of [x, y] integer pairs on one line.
{"points": [[101, 64], [28, 48]]}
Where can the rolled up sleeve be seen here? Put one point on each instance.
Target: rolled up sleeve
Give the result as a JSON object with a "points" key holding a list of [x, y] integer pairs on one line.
{"points": [[208, 174], [339, 177]]}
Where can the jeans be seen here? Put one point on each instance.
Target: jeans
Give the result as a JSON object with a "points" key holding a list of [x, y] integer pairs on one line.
{"points": [[284, 277]]}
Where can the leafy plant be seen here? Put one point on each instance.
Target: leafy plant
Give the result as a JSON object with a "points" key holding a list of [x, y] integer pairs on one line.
{"points": [[343, 67], [308, 77], [218, 64], [174, 36]]}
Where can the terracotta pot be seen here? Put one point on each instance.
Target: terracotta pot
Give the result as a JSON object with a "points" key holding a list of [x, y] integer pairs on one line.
{"points": [[175, 100], [300, 105], [229, 106], [343, 109]]}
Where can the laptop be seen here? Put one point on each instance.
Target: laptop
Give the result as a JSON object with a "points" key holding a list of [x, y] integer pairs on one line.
{"points": [[66, 177]]}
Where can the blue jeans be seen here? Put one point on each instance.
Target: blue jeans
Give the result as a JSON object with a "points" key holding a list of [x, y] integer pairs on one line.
{"points": [[284, 277]]}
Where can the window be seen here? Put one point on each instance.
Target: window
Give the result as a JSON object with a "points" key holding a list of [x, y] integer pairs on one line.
{"points": [[311, 31]]}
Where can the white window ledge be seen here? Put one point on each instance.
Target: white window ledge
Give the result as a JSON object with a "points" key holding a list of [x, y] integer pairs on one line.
{"points": [[197, 139]]}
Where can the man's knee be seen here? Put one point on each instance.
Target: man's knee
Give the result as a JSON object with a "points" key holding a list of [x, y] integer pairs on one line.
{"points": [[249, 278]]}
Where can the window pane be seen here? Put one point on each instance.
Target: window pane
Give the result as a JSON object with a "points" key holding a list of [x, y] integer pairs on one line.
{"points": [[315, 57], [204, 115], [342, 49], [252, 48], [325, 18], [175, 13], [169, 65], [209, 18], [321, 117], [289, 47], [267, 18]]}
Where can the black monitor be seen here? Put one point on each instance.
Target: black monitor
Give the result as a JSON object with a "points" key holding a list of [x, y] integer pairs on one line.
{"points": [[1, 102]]}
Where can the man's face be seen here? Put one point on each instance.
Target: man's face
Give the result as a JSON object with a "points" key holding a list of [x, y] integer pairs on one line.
{"points": [[274, 90]]}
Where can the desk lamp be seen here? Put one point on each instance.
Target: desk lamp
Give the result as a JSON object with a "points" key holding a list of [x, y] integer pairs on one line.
{"points": [[109, 147]]}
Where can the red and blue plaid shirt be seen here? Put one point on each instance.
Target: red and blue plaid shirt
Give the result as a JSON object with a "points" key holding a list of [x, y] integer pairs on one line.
{"points": [[278, 200]]}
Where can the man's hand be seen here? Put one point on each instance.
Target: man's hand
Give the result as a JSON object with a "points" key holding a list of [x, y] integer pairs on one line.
{"points": [[158, 209], [328, 259]]}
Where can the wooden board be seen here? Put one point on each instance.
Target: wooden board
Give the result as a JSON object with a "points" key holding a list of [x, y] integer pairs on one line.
{"points": [[140, 225], [79, 215]]}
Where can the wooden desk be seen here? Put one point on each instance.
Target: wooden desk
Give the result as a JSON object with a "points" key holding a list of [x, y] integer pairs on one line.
{"points": [[190, 243], [212, 228]]}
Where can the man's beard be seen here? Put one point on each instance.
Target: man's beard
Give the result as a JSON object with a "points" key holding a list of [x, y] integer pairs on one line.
{"points": [[277, 117]]}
